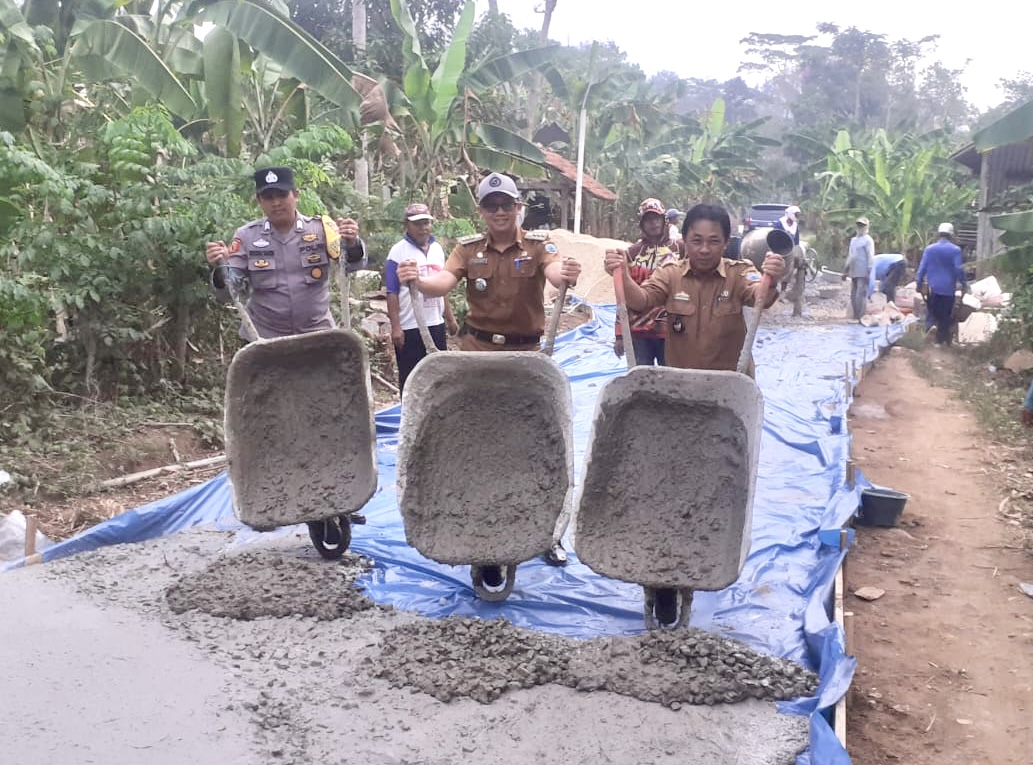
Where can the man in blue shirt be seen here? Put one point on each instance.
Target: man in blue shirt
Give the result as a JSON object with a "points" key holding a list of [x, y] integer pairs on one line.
{"points": [[1027, 408], [941, 266], [888, 270]]}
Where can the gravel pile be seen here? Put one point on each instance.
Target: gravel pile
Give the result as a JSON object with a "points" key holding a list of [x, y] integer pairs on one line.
{"points": [[471, 658], [256, 584], [458, 657], [688, 667]]}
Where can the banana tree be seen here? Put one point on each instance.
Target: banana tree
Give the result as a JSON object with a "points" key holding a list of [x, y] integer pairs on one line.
{"points": [[904, 185], [442, 125]]}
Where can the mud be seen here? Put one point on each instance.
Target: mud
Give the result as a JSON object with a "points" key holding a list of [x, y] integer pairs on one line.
{"points": [[300, 439], [485, 457], [454, 658], [667, 496], [251, 585]]}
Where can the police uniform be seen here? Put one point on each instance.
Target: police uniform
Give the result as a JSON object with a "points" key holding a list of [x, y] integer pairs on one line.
{"points": [[505, 290], [287, 275], [705, 324]]}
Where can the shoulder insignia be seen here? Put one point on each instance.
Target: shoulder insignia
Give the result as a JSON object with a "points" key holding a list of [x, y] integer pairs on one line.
{"points": [[536, 235], [551, 248], [753, 276], [333, 237], [470, 239], [235, 245]]}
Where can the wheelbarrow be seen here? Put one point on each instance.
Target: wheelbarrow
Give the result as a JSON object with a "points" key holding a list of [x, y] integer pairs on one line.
{"points": [[669, 477], [300, 436], [485, 457]]}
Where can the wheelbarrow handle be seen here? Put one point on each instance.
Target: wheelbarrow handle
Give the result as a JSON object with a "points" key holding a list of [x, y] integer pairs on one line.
{"points": [[752, 324], [416, 299], [554, 320], [250, 331], [344, 285], [622, 315]]}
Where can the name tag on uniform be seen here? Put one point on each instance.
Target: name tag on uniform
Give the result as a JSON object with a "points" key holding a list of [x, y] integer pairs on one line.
{"points": [[521, 262]]}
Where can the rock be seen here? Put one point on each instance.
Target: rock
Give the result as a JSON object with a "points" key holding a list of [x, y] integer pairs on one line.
{"points": [[1027, 588], [869, 593], [1020, 361]]}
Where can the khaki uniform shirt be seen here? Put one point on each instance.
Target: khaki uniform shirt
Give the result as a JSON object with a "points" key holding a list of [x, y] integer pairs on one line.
{"points": [[288, 275], [705, 323], [512, 301]]}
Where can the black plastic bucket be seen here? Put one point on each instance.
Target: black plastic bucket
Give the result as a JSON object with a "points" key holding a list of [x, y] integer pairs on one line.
{"points": [[881, 507]]}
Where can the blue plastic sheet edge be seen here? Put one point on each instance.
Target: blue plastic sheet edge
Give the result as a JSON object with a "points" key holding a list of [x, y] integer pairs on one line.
{"points": [[780, 605]]}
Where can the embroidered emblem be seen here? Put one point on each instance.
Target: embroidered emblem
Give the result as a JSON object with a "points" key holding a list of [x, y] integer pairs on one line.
{"points": [[235, 245], [309, 238], [753, 277], [551, 248], [316, 272], [313, 258], [261, 264], [271, 177], [261, 243]]}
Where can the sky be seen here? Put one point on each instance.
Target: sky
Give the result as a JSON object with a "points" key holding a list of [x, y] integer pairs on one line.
{"points": [[687, 39]]}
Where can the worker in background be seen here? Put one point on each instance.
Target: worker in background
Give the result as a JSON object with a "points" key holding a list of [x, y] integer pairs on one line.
{"points": [[652, 250], [795, 279], [941, 267], [888, 270], [858, 267], [672, 217], [505, 270], [420, 245]]}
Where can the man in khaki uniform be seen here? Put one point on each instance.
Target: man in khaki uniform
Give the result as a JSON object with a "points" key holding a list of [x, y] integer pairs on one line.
{"points": [[704, 295], [505, 271]]}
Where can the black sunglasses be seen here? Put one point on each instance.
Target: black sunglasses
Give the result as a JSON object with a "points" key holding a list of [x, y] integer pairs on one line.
{"points": [[507, 206]]}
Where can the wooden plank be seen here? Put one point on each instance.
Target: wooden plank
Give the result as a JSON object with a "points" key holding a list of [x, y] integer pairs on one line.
{"points": [[839, 714]]}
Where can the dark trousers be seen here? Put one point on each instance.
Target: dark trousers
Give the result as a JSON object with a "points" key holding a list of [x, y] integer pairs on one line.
{"points": [[888, 285], [648, 350], [409, 355], [940, 308]]}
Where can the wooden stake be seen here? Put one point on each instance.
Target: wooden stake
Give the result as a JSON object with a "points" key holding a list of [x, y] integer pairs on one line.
{"points": [[125, 480], [30, 535]]}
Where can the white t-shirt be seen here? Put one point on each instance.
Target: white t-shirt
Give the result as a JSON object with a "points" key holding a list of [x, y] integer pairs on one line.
{"points": [[430, 263], [673, 233]]}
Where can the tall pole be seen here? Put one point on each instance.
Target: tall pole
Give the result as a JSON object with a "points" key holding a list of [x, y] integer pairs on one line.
{"points": [[579, 185], [359, 45]]}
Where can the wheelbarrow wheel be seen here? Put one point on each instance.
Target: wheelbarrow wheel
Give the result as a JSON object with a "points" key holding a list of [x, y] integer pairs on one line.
{"points": [[665, 606], [493, 583], [330, 537]]}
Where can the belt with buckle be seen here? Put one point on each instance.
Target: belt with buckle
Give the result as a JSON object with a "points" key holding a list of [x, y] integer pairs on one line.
{"points": [[498, 339]]}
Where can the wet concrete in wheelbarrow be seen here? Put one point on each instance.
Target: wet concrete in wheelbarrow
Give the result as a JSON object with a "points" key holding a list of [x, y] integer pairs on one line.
{"points": [[283, 681]]}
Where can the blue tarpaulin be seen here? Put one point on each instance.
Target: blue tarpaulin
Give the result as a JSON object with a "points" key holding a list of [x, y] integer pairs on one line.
{"points": [[781, 603]]}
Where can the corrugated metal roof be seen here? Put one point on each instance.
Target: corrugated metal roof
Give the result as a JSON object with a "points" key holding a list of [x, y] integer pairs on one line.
{"points": [[566, 168]]}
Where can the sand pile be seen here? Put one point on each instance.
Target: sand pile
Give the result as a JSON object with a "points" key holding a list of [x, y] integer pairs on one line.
{"points": [[594, 285]]}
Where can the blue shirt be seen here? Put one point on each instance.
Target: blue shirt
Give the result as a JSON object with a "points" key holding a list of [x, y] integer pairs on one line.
{"points": [[941, 265], [1028, 403], [880, 267]]}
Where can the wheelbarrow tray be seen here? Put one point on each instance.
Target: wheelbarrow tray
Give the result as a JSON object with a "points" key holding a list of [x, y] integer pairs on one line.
{"points": [[300, 437], [485, 456], [669, 478]]}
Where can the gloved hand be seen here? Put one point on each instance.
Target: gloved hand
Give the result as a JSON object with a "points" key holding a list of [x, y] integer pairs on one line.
{"points": [[618, 346], [1027, 417]]}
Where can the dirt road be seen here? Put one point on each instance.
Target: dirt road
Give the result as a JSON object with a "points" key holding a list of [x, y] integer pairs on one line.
{"points": [[944, 671]]}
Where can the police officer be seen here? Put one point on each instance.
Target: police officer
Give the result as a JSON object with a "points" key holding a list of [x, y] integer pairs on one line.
{"points": [[505, 270], [283, 262], [283, 259]]}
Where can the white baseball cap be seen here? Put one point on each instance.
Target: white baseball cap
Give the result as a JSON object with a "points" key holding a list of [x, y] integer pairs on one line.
{"points": [[497, 183], [946, 228]]}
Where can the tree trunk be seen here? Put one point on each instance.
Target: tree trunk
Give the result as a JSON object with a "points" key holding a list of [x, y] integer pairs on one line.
{"points": [[359, 44], [537, 81], [493, 7], [182, 335]]}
